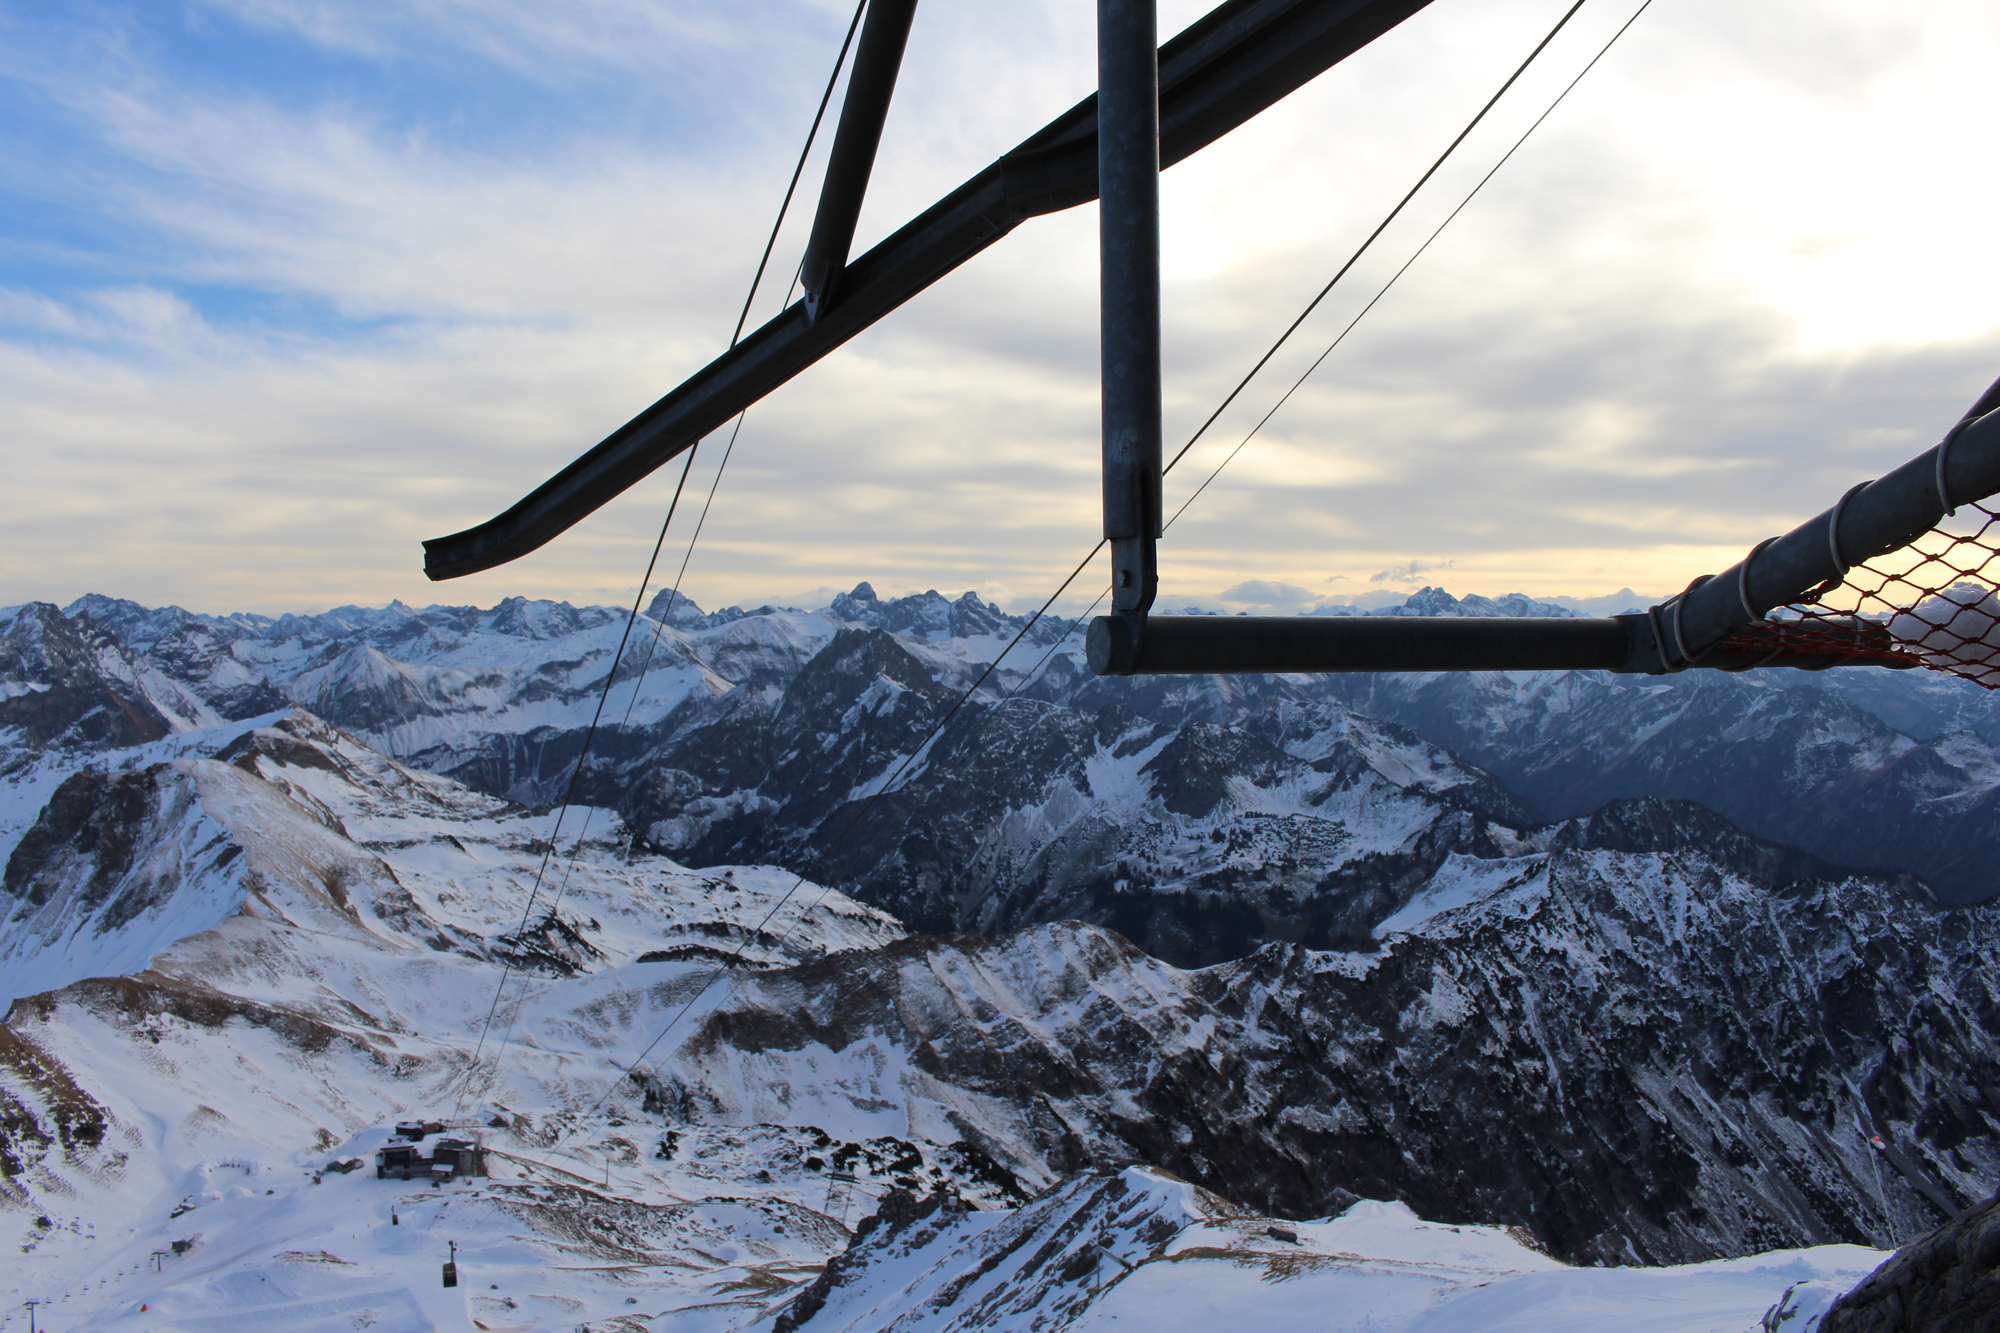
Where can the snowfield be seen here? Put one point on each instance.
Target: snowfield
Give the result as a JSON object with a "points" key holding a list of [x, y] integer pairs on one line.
{"points": [[740, 1244]]}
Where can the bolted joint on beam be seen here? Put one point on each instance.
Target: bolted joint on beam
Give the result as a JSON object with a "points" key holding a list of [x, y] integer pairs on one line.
{"points": [[1135, 574]]}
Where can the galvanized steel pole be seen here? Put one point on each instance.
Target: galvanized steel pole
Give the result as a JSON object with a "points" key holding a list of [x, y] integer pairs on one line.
{"points": [[1128, 231]]}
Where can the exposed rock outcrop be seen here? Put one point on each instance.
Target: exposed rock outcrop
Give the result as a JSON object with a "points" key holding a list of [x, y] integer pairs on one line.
{"points": [[1945, 1282]]}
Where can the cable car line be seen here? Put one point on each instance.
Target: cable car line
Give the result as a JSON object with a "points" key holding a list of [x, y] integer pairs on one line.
{"points": [[736, 335], [562, 811], [645, 581], [800, 877], [1384, 290], [1383, 226], [639, 682], [825, 99], [659, 627]]}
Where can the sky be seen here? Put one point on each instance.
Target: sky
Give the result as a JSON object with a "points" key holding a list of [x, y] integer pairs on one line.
{"points": [[287, 286]]}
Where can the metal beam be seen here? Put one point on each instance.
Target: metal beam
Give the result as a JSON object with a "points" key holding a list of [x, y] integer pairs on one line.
{"points": [[852, 159], [1258, 645], [1234, 62], [1128, 252], [1870, 520]]}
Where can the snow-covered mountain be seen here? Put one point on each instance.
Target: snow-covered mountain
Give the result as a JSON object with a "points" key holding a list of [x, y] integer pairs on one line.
{"points": [[240, 940], [1642, 1037], [1860, 765], [1138, 1249]]}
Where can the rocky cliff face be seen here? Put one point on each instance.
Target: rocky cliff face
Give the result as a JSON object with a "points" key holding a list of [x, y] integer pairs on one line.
{"points": [[1947, 1281], [70, 683], [1198, 840], [1624, 1044], [1862, 767]]}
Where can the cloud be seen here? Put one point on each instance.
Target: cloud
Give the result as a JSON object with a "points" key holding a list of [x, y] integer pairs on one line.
{"points": [[1411, 571], [525, 37], [286, 317], [1261, 592]]}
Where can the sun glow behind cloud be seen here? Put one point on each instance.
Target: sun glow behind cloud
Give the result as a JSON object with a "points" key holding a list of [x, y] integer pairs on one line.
{"points": [[291, 286]]}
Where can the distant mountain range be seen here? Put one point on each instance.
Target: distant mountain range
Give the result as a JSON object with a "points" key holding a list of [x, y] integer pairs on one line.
{"points": [[1285, 808]]}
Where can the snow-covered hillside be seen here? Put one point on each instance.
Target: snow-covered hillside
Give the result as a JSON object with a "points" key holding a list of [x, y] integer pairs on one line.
{"points": [[286, 821], [234, 955], [1141, 1250]]}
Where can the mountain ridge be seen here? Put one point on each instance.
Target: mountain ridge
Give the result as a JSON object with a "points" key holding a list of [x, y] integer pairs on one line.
{"points": [[761, 735]]}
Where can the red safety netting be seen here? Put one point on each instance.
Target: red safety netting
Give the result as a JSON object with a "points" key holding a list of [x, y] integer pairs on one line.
{"points": [[1930, 604]]}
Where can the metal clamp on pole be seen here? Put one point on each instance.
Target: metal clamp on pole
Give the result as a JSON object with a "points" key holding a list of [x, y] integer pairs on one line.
{"points": [[1128, 231]]}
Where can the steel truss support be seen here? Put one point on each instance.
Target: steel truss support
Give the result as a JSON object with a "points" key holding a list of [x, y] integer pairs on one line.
{"points": [[1240, 58], [1233, 62]]}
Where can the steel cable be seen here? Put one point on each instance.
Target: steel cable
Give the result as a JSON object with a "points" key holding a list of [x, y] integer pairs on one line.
{"points": [[611, 676], [1380, 227], [1384, 289], [799, 880], [888, 785]]}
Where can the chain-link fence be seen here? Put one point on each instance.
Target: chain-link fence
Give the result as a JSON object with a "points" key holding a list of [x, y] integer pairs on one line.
{"points": [[1930, 604]]}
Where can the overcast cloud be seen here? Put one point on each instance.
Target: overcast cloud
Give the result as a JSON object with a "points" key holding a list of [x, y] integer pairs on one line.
{"points": [[288, 285]]}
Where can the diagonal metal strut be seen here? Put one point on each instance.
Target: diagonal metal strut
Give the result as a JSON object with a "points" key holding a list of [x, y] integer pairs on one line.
{"points": [[1234, 62], [852, 159]]}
